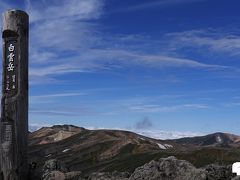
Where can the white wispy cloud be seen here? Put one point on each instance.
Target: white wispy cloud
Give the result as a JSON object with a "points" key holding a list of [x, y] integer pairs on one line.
{"points": [[64, 39], [59, 29], [215, 40], [106, 59], [63, 111], [51, 98], [63, 25], [173, 108], [55, 112], [157, 3], [56, 70], [60, 9], [130, 57], [58, 95], [230, 104]]}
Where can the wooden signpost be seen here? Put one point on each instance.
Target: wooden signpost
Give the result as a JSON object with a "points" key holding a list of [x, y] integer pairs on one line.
{"points": [[14, 105]]}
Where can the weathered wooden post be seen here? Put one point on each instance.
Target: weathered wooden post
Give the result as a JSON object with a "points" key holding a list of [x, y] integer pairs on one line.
{"points": [[14, 120]]}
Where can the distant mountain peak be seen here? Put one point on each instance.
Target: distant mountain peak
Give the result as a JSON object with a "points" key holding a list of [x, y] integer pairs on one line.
{"points": [[215, 139], [55, 133], [66, 127]]}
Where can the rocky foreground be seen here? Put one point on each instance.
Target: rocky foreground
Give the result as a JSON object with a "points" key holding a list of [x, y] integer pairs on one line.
{"points": [[164, 169]]}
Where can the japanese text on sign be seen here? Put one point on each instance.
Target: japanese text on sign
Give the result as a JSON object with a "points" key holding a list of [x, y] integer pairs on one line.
{"points": [[11, 63]]}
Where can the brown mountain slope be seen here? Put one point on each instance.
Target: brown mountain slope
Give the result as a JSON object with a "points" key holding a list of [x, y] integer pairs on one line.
{"points": [[109, 150], [52, 134], [93, 149]]}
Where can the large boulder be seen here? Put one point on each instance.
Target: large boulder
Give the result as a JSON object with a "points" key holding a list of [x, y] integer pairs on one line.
{"points": [[168, 169], [220, 172]]}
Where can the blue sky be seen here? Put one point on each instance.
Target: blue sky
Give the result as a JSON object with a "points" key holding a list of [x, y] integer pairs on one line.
{"points": [[167, 65]]}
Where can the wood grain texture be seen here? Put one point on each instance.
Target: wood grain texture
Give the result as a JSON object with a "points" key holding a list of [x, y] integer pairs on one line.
{"points": [[14, 115]]}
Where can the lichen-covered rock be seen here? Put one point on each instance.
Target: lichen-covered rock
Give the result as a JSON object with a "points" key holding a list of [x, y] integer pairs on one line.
{"points": [[219, 172], [168, 169], [164, 169]]}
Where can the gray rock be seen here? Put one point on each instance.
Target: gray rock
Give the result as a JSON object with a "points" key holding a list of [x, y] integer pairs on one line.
{"points": [[168, 169], [164, 169], [52, 168], [219, 172]]}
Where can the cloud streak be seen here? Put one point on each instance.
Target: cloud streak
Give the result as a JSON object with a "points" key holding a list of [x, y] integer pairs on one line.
{"points": [[214, 40], [63, 111], [157, 108], [95, 60], [60, 29], [105, 59], [157, 3], [61, 9], [55, 113], [58, 95]]}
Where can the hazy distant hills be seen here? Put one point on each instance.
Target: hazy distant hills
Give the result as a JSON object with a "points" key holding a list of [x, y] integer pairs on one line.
{"points": [[109, 150]]}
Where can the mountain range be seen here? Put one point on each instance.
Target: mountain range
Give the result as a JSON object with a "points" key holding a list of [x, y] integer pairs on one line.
{"points": [[105, 150]]}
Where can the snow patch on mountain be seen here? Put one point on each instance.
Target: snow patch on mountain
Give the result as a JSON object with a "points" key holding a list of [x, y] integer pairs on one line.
{"points": [[164, 146], [65, 150]]}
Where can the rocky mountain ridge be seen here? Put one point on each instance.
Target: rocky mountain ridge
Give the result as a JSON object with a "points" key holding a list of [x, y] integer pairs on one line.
{"points": [[92, 151]]}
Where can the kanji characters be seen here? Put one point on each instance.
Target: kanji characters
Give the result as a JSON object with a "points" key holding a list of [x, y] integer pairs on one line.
{"points": [[11, 48], [10, 57], [10, 67]]}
